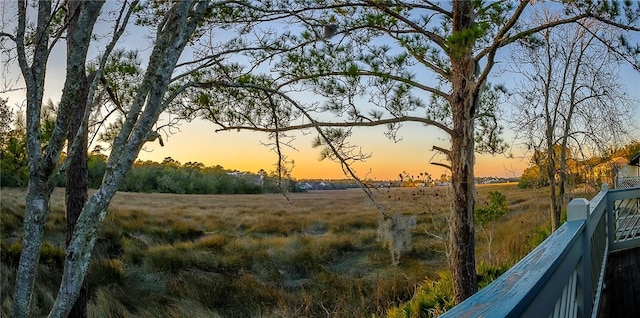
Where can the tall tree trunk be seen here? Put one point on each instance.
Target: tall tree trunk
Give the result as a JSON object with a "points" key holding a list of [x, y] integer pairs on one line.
{"points": [[77, 173], [562, 183], [461, 228], [462, 156], [41, 165], [463, 100], [76, 196], [553, 184]]}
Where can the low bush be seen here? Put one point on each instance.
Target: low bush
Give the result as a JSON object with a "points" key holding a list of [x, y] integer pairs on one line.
{"points": [[488, 272], [110, 243], [174, 258], [272, 224], [50, 255]]}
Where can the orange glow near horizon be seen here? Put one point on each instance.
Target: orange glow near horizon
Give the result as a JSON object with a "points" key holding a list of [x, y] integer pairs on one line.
{"points": [[245, 151]]}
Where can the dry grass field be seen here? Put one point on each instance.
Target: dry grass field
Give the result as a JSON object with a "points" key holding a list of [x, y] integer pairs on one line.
{"points": [[164, 255]]}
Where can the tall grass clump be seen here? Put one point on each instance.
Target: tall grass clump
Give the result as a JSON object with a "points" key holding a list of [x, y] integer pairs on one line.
{"points": [[104, 303], [11, 216], [433, 298], [46, 287], [105, 272]]}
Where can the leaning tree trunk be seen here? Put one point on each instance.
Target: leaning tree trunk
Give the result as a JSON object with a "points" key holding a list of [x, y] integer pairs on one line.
{"points": [[37, 204], [173, 36], [38, 190]]}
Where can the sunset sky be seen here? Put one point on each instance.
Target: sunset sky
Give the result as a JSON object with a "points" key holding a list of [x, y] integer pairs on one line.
{"points": [[244, 151]]}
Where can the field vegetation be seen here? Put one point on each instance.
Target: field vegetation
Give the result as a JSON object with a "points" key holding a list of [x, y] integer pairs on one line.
{"points": [[170, 255]]}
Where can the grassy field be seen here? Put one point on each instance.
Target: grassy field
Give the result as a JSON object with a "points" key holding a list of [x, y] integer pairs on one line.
{"points": [[164, 255]]}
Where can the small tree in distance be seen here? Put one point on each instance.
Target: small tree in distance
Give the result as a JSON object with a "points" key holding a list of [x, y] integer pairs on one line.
{"points": [[487, 216]]}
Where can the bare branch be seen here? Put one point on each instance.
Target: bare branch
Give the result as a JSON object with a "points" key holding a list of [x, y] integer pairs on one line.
{"points": [[10, 36], [441, 165], [634, 64], [551, 24], [314, 124], [96, 77], [490, 52], [58, 35], [211, 84], [437, 39], [625, 27], [445, 151]]}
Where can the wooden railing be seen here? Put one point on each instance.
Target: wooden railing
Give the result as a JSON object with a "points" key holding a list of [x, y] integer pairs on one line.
{"points": [[628, 182], [564, 275]]}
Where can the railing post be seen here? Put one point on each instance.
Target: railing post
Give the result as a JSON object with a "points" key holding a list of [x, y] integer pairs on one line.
{"points": [[578, 209], [611, 219]]}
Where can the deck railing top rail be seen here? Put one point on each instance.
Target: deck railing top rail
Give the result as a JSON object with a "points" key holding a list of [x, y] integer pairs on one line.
{"points": [[511, 293], [563, 276]]}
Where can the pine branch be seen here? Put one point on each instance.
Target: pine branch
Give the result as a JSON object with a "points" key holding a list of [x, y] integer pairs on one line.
{"points": [[372, 123]]}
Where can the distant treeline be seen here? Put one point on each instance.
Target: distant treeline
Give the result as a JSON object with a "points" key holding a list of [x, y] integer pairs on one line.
{"points": [[595, 170], [169, 176]]}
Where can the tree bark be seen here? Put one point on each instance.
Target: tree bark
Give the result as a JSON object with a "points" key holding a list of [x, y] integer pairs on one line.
{"points": [[38, 189], [42, 164], [461, 227], [551, 174], [77, 173], [75, 197], [464, 99], [37, 204]]}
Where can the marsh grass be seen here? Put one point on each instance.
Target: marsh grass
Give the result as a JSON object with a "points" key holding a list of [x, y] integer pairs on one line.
{"points": [[167, 255]]}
